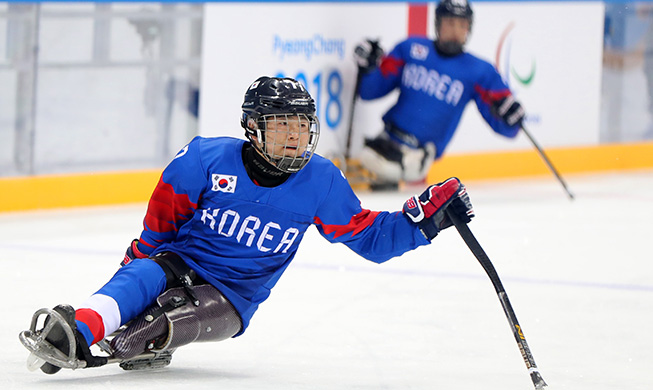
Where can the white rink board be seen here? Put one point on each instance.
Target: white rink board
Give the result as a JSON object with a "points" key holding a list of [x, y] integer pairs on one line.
{"points": [[244, 41]]}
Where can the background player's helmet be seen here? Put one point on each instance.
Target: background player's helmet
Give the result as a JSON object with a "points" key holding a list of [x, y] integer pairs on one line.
{"points": [[272, 98], [457, 9]]}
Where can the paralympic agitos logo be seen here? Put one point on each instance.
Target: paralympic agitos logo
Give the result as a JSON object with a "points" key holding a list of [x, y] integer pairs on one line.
{"points": [[506, 63]]}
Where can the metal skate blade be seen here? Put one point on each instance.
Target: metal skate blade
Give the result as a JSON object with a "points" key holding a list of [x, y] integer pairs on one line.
{"points": [[34, 362], [43, 350]]}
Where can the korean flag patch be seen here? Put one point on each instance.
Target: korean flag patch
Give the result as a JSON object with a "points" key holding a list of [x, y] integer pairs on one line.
{"points": [[419, 52], [224, 183]]}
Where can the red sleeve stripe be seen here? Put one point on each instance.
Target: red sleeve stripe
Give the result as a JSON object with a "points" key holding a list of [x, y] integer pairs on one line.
{"points": [[490, 97], [356, 224], [167, 210], [390, 66], [142, 241]]}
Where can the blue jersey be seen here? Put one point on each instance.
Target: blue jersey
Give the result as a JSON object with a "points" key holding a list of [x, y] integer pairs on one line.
{"points": [[434, 90], [240, 237]]}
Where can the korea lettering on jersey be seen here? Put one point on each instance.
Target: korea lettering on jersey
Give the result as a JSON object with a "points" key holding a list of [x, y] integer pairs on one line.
{"points": [[249, 230], [222, 215], [240, 237], [429, 81], [434, 90]]}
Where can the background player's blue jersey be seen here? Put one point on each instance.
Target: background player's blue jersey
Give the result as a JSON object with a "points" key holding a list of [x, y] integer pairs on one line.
{"points": [[240, 237], [434, 90]]}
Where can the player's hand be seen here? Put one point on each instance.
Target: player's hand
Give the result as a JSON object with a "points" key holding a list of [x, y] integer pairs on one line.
{"points": [[368, 54], [509, 110], [428, 209], [132, 253]]}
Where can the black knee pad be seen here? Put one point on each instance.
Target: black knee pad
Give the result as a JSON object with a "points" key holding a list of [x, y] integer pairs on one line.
{"points": [[174, 321]]}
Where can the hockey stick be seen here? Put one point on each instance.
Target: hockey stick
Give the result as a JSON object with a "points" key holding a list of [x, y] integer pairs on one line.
{"points": [[482, 258], [350, 126], [548, 162]]}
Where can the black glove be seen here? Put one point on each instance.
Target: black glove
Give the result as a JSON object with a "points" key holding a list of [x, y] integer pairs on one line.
{"points": [[132, 253], [428, 209], [368, 54], [509, 110]]}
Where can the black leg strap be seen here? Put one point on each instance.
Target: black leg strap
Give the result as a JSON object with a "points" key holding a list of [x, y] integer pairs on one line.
{"points": [[178, 273]]}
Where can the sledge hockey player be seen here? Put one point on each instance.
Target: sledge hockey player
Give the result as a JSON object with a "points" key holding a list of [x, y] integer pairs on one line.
{"points": [[436, 80], [223, 223]]}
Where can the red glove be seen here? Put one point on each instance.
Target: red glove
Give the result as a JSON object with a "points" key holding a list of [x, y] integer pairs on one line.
{"points": [[428, 210], [132, 253]]}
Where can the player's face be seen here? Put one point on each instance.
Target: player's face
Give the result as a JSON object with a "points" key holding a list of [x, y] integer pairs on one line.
{"points": [[287, 135], [453, 29]]}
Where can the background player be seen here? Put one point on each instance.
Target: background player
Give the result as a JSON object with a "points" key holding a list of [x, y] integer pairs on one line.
{"points": [[223, 223], [436, 80]]}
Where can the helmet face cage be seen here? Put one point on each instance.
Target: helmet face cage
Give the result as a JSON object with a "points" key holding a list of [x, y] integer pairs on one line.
{"points": [[288, 141], [279, 119]]}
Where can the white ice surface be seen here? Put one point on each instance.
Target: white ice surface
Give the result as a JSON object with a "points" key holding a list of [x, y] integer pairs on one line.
{"points": [[579, 275]]}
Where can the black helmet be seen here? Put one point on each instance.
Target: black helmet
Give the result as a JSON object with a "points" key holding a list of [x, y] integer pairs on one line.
{"points": [[456, 8], [285, 100]]}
